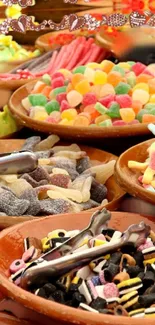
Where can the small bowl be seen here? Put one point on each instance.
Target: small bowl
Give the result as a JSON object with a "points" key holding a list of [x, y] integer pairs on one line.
{"points": [[115, 194], [127, 178], [6, 319], [49, 312], [69, 132]]}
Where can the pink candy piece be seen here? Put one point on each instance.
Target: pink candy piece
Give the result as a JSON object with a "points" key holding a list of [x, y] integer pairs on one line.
{"points": [[146, 71], [105, 101], [28, 254], [140, 179], [56, 75], [51, 120], [152, 161], [134, 122], [124, 101], [147, 244], [92, 289], [57, 82], [17, 265], [61, 97], [102, 278], [89, 99], [119, 123], [110, 290], [64, 105], [138, 68]]}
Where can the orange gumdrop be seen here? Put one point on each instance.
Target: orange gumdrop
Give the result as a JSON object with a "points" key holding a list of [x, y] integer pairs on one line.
{"points": [[107, 66], [151, 84], [148, 118], [76, 78], [137, 106], [92, 111], [38, 89], [143, 78], [114, 77], [46, 91]]}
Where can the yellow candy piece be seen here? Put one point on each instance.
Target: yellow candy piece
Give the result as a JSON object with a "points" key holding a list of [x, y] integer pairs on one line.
{"points": [[101, 118], [75, 280], [142, 86], [66, 122], [58, 233], [100, 78], [69, 114], [106, 90], [66, 73], [148, 176], [98, 242], [151, 148], [93, 65], [124, 65], [137, 165], [89, 74], [151, 261], [38, 113], [81, 121], [83, 87], [96, 89], [106, 65], [127, 114], [152, 99], [142, 95]]}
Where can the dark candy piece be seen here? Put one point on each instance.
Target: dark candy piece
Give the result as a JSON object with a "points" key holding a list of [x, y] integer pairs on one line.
{"points": [[32, 181], [146, 300], [61, 240], [149, 279], [83, 164], [141, 275], [138, 256], [30, 143], [89, 205], [108, 232], [49, 206], [41, 293], [60, 180], [111, 271], [44, 154], [98, 303], [58, 296], [106, 311], [115, 258], [98, 191], [34, 203], [40, 174], [49, 288], [11, 205], [77, 299], [133, 271]]}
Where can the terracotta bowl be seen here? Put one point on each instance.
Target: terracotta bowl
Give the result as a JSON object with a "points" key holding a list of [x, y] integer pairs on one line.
{"points": [[68, 132], [115, 193], [48, 312], [127, 178], [6, 319]]}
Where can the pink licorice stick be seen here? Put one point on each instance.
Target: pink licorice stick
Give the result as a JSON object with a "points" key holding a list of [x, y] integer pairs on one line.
{"points": [[39, 74], [75, 58], [61, 59], [87, 46], [72, 50], [95, 52], [57, 60], [86, 58]]}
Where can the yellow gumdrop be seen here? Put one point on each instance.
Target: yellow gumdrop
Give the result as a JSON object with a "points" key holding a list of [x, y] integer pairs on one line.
{"points": [[106, 90], [124, 65], [93, 65], [142, 95], [101, 118], [83, 87], [100, 77], [127, 114], [107, 65], [69, 114], [152, 99], [142, 85], [89, 74]]}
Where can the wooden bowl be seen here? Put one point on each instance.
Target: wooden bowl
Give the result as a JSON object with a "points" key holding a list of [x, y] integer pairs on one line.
{"points": [[6, 319], [115, 194], [69, 132], [127, 178], [48, 312], [95, 3]]}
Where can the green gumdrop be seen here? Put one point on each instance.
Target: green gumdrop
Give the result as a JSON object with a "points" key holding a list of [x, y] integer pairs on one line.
{"points": [[131, 81], [122, 88], [113, 111], [100, 108], [106, 123], [80, 69], [46, 79], [152, 111], [140, 115], [37, 100], [59, 90], [119, 69], [131, 63], [7, 123], [51, 106], [149, 106]]}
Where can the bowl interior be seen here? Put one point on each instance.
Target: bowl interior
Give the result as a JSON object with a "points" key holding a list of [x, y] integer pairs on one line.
{"points": [[11, 248], [127, 178], [115, 193]]}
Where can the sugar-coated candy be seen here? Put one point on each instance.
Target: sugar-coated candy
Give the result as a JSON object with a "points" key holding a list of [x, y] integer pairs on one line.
{"points": [[83, 87], [89, 99], [17, 265], [74, 98], [114, 110], [51, 106], [100, 77], [60, 97], [124, 101], [80, 69], [57, 82], [127, 114], [122, 88], [37, 100], [119, 69], [100, 108]]}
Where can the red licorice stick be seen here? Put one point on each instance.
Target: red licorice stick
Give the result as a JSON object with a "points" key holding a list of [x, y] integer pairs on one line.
{"points": [[77, 51], [87, 46], [101, 56], [71, 50], [66, 56], [57, 59], [85, 59], [95, 52]]}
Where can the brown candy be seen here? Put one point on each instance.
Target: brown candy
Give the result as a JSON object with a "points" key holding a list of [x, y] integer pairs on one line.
{"points": [[127, 260], [122, 276]]}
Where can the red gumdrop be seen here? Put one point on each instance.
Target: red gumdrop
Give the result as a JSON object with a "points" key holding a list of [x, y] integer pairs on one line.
{"points": [[146, 71], [124, 101], [51, 119], [134, 122], [57, 82], [89, 99], [56, 75], [138, 68], [119, 123], [61, 97], [105, 101], [64, 105]]}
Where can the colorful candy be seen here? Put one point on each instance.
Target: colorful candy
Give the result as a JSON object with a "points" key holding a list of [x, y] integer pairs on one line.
{"points": [[102, 94]]}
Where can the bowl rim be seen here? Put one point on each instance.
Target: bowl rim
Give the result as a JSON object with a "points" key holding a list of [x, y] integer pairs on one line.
{"points": [[55, 309], [127, 184]]}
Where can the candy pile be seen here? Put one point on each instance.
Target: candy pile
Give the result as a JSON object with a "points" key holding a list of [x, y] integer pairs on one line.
{"points": [[146, 169], [64, 181], [12, 51], [79, 51], [120, 281], [104, 94]]}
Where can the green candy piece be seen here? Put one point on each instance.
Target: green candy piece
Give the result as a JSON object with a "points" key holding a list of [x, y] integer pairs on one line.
{"points": [[131, 63], [152, 111], [131, 78], [80, 69], [106, 123], [122, 88], [119, 69], [37, 100], [100, 108], [51, 106], [140, 115], [46, 79], [59, 90], [7, 123], [149, 106], [114, 111]]}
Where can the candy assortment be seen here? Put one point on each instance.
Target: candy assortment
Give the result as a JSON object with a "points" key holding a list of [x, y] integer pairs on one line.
{"points": [[79, 51], [64, 180], [115, 273], [96, 94], [12, 51], [146, 169]]}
